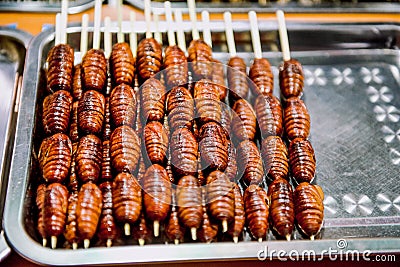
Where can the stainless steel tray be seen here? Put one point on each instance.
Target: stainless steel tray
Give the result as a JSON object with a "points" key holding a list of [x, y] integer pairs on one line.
{"points": [[289, 7], [13, 44], [74, 6], [352, 74]]}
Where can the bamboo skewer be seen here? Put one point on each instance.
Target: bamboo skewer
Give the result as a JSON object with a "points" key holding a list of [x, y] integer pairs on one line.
{"points": [[179, 31], [170, 26], [107, 37], [255, 35], [132, 34], [193, 19], [205, 17], [157, 33], [230, 39], [283, 35], [120, 35]]}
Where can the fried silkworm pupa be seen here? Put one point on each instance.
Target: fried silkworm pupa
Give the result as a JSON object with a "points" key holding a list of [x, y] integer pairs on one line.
{"points": [[184, 150], [123, 105], [173, 229], [244, 121], [60, 61], [213, 146], [309, 208], [71, 231], [236, 226], [153, 100], [156, 142], [220, 198], [40, 196], [90, 202], [257, 211], [157, 195], [125, 149], [74, 128], [55, 155], [291, 78], [91, 112], [56, 112], [207, 101], [88, 158], [302, 160], [180, 108], [94, 70], [269, 115], [141, 232], [107, 230], [237, 78], [296, 119], [77, 90], [281, 209], [261, 75], [189, 200], [231, 168], [176, 67], [200, 55], [149, 58], [275, 157], [122, 64], [218, 78], [55, 211], [250, 163], [127, 199], [208, 229]]}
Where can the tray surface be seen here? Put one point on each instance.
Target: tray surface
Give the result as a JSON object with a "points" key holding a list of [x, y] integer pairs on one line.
{"points": [[13, 45], [352, 93]]}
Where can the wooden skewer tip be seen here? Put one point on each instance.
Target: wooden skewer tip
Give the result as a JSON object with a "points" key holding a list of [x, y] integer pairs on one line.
{"points": [[288, 237], [193, 231], [53, 242], [312, 238], [86, 243], [127, 229], [236, 239], [260, 239], [44, 242], [74, 246], [224, 226], [176, 241], [109, 243], [156, 228], [141, 242]]}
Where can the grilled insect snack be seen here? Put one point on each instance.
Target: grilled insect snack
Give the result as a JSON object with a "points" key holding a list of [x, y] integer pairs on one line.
{"points": [[149, 58], [153, 96], [91, 109], [89, 158], [180, 108], [236, 226], [237, 79], [184, 150], [200, 55], [296, 119], [60, 61], [56, 112], [107, 230], [250, 162], [207, 101], [257, 211], [302, 160], [269, 115], [122, 64], [176, 67], [244, 121], [261, 75], [275, 157], [291, 78], [123, 105], [156, 142], [213, 146], [94, 70]]}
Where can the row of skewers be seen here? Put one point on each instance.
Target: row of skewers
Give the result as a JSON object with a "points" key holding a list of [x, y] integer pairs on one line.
{"points": [[99, 173]]}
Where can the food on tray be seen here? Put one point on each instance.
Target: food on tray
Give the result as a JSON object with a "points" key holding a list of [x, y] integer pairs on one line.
{"points": [[122, 64], [236, 227], [149, 58], [213, 146], [250, 163], [60, 60], [156, 142], [208, 105], [176, 67], [153, 100], [302, 160], [218, 78], [257, 211], [231, 169], [291, 78], [107, 229], [275, 157], [94, 70], [91, 112], [262, 77], [180, 108], [184, 150], [200, 55], [89, 158], [281, 213], [56, 112], [237, 78], [123, 105], [296, 119], [269, 115], [244, 122]]}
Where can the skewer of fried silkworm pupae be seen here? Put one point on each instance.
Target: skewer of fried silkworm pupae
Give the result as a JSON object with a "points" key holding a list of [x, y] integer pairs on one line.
{"points": [[257, 211], [244, 122], [260, 71], [149, 51], [199, 52], [157, 195], [236, 73], [175, 61], [275, 157], [291, 78], [250, 163], [281, 210], [107, 230]]}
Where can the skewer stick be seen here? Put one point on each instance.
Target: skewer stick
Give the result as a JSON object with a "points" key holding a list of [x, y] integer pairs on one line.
{"points": [[193, 19], [255, 34], [260, 240], [132, 34], [179, 31], [288, 237], [86, 243], [53, 242], [64, 21], [57, 32], [97, 21], [312, 238], [109, 243], [205, 17], [141, 242], [44, 242], [176, 241], [236, 239], [193, 231], [283, 35], [84, 34], [74, 245], [120, 35], [156, 228], [230, 39], [127, 229], [157, 33], [224, 226], [147, 17], [107, 36], [168, 16]]}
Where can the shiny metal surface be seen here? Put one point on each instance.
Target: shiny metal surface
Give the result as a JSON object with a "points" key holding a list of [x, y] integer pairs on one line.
{"points": [[352, 93], [13, 45], [74, 6], [287, 6]]}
